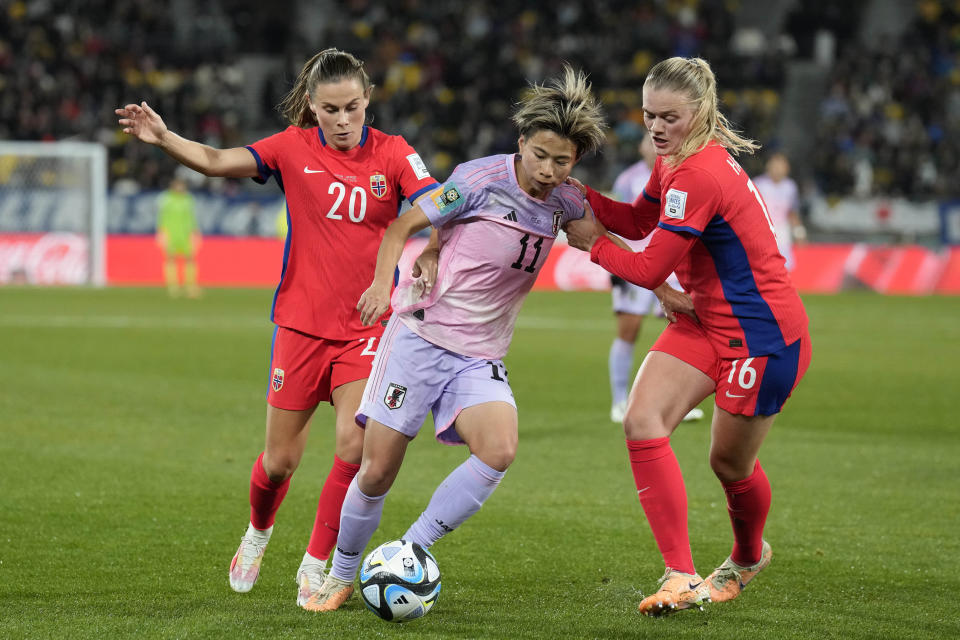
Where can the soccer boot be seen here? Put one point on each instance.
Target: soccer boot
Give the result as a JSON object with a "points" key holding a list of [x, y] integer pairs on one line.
{"points": [[677, 591], [310, 577], [331, 594], [729, 579], [245, 566], [694, 414]]}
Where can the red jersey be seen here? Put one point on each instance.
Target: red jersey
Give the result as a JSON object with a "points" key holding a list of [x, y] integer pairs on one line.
{"points": [[339, 204], [721, 243]]}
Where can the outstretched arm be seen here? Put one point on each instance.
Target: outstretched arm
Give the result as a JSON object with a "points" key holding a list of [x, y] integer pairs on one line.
{"points": [[376, 299], [631, 220], [142, 122]]}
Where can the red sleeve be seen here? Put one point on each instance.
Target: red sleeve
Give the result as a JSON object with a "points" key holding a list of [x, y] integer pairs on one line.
{"points": [[414, 178], [632, 221], [648, 268], [267, 153]]}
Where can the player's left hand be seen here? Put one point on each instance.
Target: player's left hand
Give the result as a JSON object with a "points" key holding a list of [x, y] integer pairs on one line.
{"points": [[674, 302], [426, 267], [373, 303], [576, 183], [583, 233]]}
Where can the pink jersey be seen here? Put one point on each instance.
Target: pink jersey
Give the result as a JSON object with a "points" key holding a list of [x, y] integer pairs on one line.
{"points": [[339, 203], [494, 237], [627, 187]]}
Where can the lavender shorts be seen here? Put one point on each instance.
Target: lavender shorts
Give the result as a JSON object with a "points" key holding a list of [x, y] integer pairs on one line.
{"points": [[412, 376]]}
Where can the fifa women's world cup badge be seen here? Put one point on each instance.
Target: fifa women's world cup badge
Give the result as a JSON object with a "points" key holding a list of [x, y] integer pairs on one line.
{"points": [[378, 185]]}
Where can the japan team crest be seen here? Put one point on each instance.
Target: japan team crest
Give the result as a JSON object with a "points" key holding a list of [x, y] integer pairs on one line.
{"points": [[395, 396], [378, 185], [557, 219], [277, 382]]}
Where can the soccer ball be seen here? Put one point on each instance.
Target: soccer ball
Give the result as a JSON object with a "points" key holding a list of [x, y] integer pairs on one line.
{"points": [[399, 581]]}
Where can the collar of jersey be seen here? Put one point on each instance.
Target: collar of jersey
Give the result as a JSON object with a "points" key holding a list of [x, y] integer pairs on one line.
{"points": [[363, 136]]}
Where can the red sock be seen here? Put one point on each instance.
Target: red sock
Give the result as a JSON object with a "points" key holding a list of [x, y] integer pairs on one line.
{"points": [[265, 496], [327, 524], [663, 498], [748, 502]]}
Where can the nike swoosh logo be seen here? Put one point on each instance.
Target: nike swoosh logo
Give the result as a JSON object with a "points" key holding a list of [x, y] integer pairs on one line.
{"points": [[309, 170], [642, 490], [693, 585], [733, 395]]}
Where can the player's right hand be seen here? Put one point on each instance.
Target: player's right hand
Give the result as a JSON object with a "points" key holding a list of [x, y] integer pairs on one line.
{"points": [[425, 268], [373, 303], [141, 121]]}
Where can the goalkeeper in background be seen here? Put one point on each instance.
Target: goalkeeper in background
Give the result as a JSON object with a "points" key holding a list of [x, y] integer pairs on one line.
{"points": [[178, 237]]}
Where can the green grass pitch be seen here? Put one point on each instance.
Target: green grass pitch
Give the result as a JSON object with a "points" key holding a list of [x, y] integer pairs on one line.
{"points": [[129, 422]]}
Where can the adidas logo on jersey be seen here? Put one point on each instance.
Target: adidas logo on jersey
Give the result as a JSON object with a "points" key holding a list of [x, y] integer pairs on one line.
{"points": [[512, 216]]}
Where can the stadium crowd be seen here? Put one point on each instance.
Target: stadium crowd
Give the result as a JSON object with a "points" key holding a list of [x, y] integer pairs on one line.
{"points": [[441, 69], [892, 110], [447, 74]]}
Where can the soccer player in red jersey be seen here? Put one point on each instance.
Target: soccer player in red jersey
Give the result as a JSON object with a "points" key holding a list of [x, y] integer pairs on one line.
{"points": [[741, 334], [344, 182]]}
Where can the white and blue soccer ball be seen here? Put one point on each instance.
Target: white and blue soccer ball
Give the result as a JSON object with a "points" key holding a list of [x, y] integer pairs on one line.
{"points": [[399, 581]]}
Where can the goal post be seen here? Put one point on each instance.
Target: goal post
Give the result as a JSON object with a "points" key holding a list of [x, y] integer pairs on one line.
{"points": [[53, 213]]}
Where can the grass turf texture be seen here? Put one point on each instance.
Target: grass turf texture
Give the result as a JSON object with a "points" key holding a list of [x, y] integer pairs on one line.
{"points": [[129, 422]]}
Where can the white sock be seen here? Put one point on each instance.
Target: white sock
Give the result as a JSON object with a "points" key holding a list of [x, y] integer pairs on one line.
{"points": [[620, 363], [260, 535], [310, 560]]}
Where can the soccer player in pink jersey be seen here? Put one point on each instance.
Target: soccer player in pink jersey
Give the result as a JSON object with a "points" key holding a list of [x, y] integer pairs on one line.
{"points": [[344, 182], [750, 346], [780, 194], [442, 351], [631, 302]]}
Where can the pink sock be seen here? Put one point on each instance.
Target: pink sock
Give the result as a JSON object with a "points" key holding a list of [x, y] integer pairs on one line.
{"points": [[326, 526], [663, 497], [265, 496], [748, 502]]}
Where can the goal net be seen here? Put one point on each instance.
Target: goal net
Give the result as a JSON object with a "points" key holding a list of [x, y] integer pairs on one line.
{"points": [[53, 202]]}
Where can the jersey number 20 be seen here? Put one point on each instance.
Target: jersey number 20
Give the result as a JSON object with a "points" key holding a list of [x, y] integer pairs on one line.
{"points": [[356, 194]]}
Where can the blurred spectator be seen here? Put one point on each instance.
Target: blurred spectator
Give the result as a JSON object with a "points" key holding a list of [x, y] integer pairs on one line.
{"points": [[890, 119], [446, 73]]}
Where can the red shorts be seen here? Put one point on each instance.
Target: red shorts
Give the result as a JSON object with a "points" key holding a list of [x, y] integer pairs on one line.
{"points": [[757, 386], [305, 370]]}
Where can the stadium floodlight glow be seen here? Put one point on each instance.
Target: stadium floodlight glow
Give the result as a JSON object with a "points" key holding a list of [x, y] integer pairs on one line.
{"points": [[53, 212]]}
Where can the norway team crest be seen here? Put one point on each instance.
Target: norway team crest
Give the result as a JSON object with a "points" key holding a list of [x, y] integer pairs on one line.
{"points": [[395, 396], [378, 185], [277, 382], [557, 219]]}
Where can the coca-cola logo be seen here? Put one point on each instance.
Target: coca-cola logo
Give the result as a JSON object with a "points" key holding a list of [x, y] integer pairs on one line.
{"points": [[50, 258]]}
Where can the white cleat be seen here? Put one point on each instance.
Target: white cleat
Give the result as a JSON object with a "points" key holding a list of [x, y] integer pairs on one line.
{"points": [[694, 415], [245, 566], [310, 578]]}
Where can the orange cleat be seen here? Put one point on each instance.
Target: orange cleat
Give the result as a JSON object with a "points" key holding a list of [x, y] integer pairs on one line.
{"points": [[331, 594], [729, 579], [677, 591]]}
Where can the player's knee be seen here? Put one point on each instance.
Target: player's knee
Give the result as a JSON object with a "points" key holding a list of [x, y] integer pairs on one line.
{"points": [[279, 468], [374, 479], [499, 455], [643, 425], [729, 468]]}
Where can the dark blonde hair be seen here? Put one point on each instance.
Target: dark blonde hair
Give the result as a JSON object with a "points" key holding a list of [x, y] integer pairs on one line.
{"points": [[694, 78], [330, 65], [565, 106]]}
